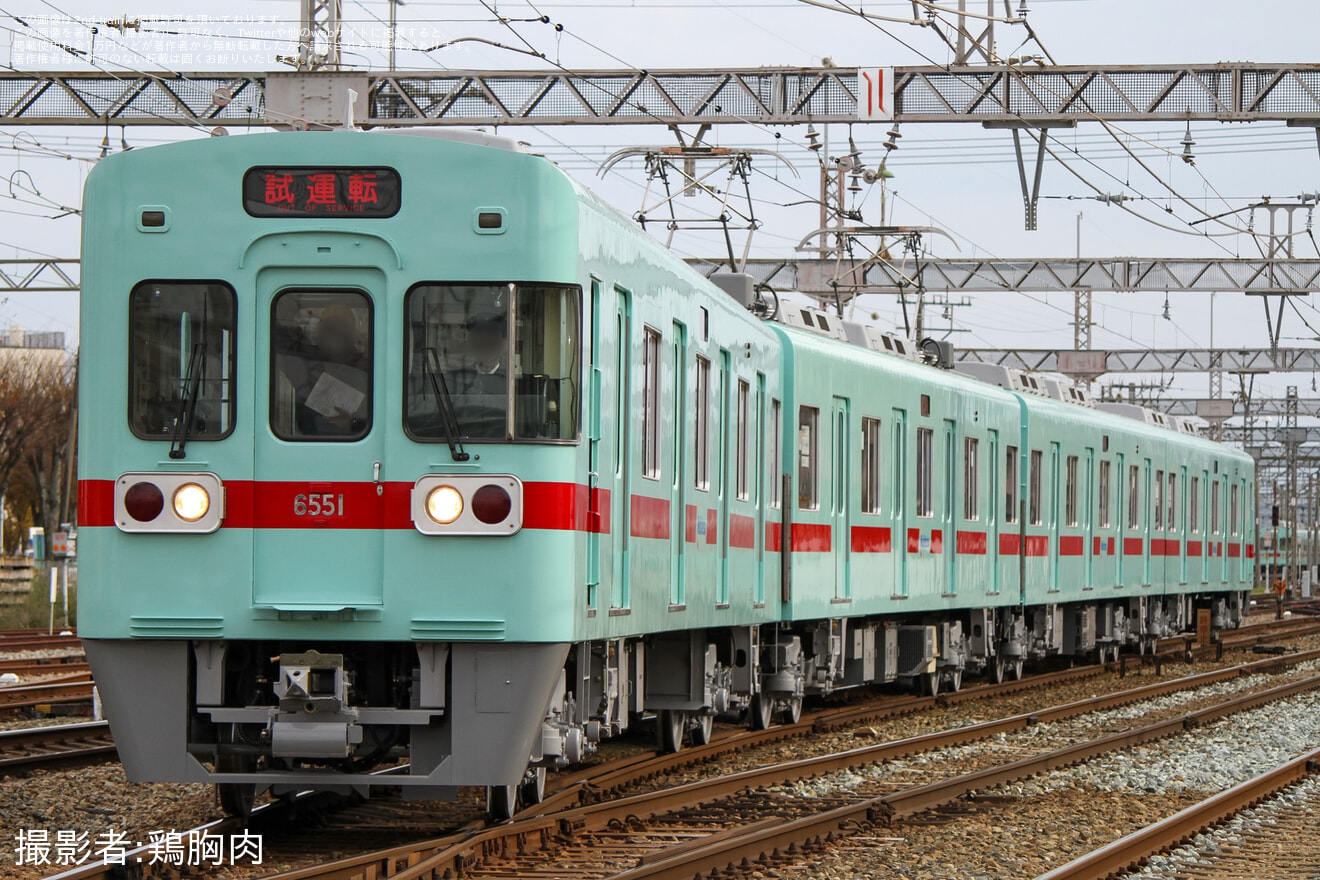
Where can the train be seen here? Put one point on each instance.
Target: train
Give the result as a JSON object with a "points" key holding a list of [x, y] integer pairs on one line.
{"points": [[403, 445], [1276, 554]]}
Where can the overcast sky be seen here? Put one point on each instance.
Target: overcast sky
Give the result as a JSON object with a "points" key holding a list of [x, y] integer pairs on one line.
{"points": [[957, 177]]}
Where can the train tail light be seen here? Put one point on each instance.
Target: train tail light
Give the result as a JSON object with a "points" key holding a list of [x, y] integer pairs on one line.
{"points": [[197, 503], [467, 504]]}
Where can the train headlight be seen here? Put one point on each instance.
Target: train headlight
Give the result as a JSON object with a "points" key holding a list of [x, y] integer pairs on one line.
{"points": [[467, 504], [191, 502], [169, 503], [444, 504]]}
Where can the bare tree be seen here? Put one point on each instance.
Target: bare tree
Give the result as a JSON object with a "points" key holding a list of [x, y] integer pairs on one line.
{"points": [[37, 412]]}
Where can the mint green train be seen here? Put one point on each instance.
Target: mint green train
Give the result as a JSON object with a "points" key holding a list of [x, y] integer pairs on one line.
{"points": [[401, 445]]}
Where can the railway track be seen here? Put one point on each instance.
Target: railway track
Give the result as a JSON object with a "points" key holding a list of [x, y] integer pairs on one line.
{"points": [[72, 688], [58, 745], [45, 665], [680, 831], [594, 787], [557, 828], [1273, 837], [36, 642]]}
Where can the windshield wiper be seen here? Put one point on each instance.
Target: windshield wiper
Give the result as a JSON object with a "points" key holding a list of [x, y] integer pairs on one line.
{"points": [[445, 405], [188, 406]]}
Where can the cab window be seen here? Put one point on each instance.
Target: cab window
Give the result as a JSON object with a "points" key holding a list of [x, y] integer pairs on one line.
{"points": [[320, 351], [181, 337], [503, 359]]}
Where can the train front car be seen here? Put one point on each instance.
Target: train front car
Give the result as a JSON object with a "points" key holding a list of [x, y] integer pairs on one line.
{"points": [[333, 513]]}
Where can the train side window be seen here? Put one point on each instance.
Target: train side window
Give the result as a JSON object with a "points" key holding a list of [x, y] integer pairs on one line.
{"points": [[181, 340], [870, 465], [1158, 503], [808, 453], [776, 453], [971, 479], [742, 470], [651, 403], [1033, 487], [1134, 496], [1105, 494], [701, 453], [925, 472], [1194, 505], [1172, 519], [321, 365], [1233, 510], [1070, 491], [1011, 484]]}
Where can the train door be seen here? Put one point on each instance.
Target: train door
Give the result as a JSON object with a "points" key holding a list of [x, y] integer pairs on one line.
{"points": [[318, 462], [678, 510], [841, 502], [722, 526], [594, 513], [1088, 513], [758, 491], [621, 490], [992, 511], [898, 501], [1180, 505], [949, 544], [1054, 517], [1121, 523], [1146, 534]]}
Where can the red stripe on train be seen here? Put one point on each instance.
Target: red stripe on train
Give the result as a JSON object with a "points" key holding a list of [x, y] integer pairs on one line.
{"points": [[742, 531], [1071, 545], [811, 538], [971, 543], [871, 539], [649, 517]]}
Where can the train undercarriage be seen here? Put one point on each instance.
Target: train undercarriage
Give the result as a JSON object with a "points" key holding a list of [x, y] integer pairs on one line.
{"points": [[290, 716]]}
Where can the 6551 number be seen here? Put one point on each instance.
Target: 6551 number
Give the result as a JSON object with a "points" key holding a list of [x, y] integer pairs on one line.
{"points": [[318, 504]]}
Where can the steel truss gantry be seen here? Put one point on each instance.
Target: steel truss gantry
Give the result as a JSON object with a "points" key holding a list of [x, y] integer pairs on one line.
{"points": [[1031, 96], [830, 278], [1147, 360]]}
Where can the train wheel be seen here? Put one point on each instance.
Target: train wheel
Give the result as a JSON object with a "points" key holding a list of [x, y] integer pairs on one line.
{"points": [[955, 680], [793, 713], [236, 797], [671, 725], [761, 714], [532, 789], [1015, 669], [502, 801], [702, 729], [998, 668], [930, 684]]}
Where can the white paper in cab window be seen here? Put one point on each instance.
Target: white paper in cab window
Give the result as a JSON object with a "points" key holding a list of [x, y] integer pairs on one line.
{"points": [[332, 396]]}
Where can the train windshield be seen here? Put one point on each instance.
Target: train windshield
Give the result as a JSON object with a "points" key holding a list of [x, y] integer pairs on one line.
{"points": [[506, 358], [181, 359]]}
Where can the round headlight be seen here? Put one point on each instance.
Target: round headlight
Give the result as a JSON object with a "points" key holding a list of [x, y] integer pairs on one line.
{"points": [[191, 502], [444, 504], [144, 501]]}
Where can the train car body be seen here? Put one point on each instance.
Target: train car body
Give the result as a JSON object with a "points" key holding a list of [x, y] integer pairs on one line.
{"points": [[424, 450]]}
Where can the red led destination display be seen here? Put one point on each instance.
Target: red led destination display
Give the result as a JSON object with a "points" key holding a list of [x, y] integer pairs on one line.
{"points": [[321, 192]]}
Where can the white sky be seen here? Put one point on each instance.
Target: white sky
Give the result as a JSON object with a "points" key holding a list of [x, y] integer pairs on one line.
{"points": [[957, 177]]}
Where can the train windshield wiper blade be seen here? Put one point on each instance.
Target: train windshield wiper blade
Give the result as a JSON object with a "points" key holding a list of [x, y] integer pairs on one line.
{"points": [[444, 404], [188, 405]]}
